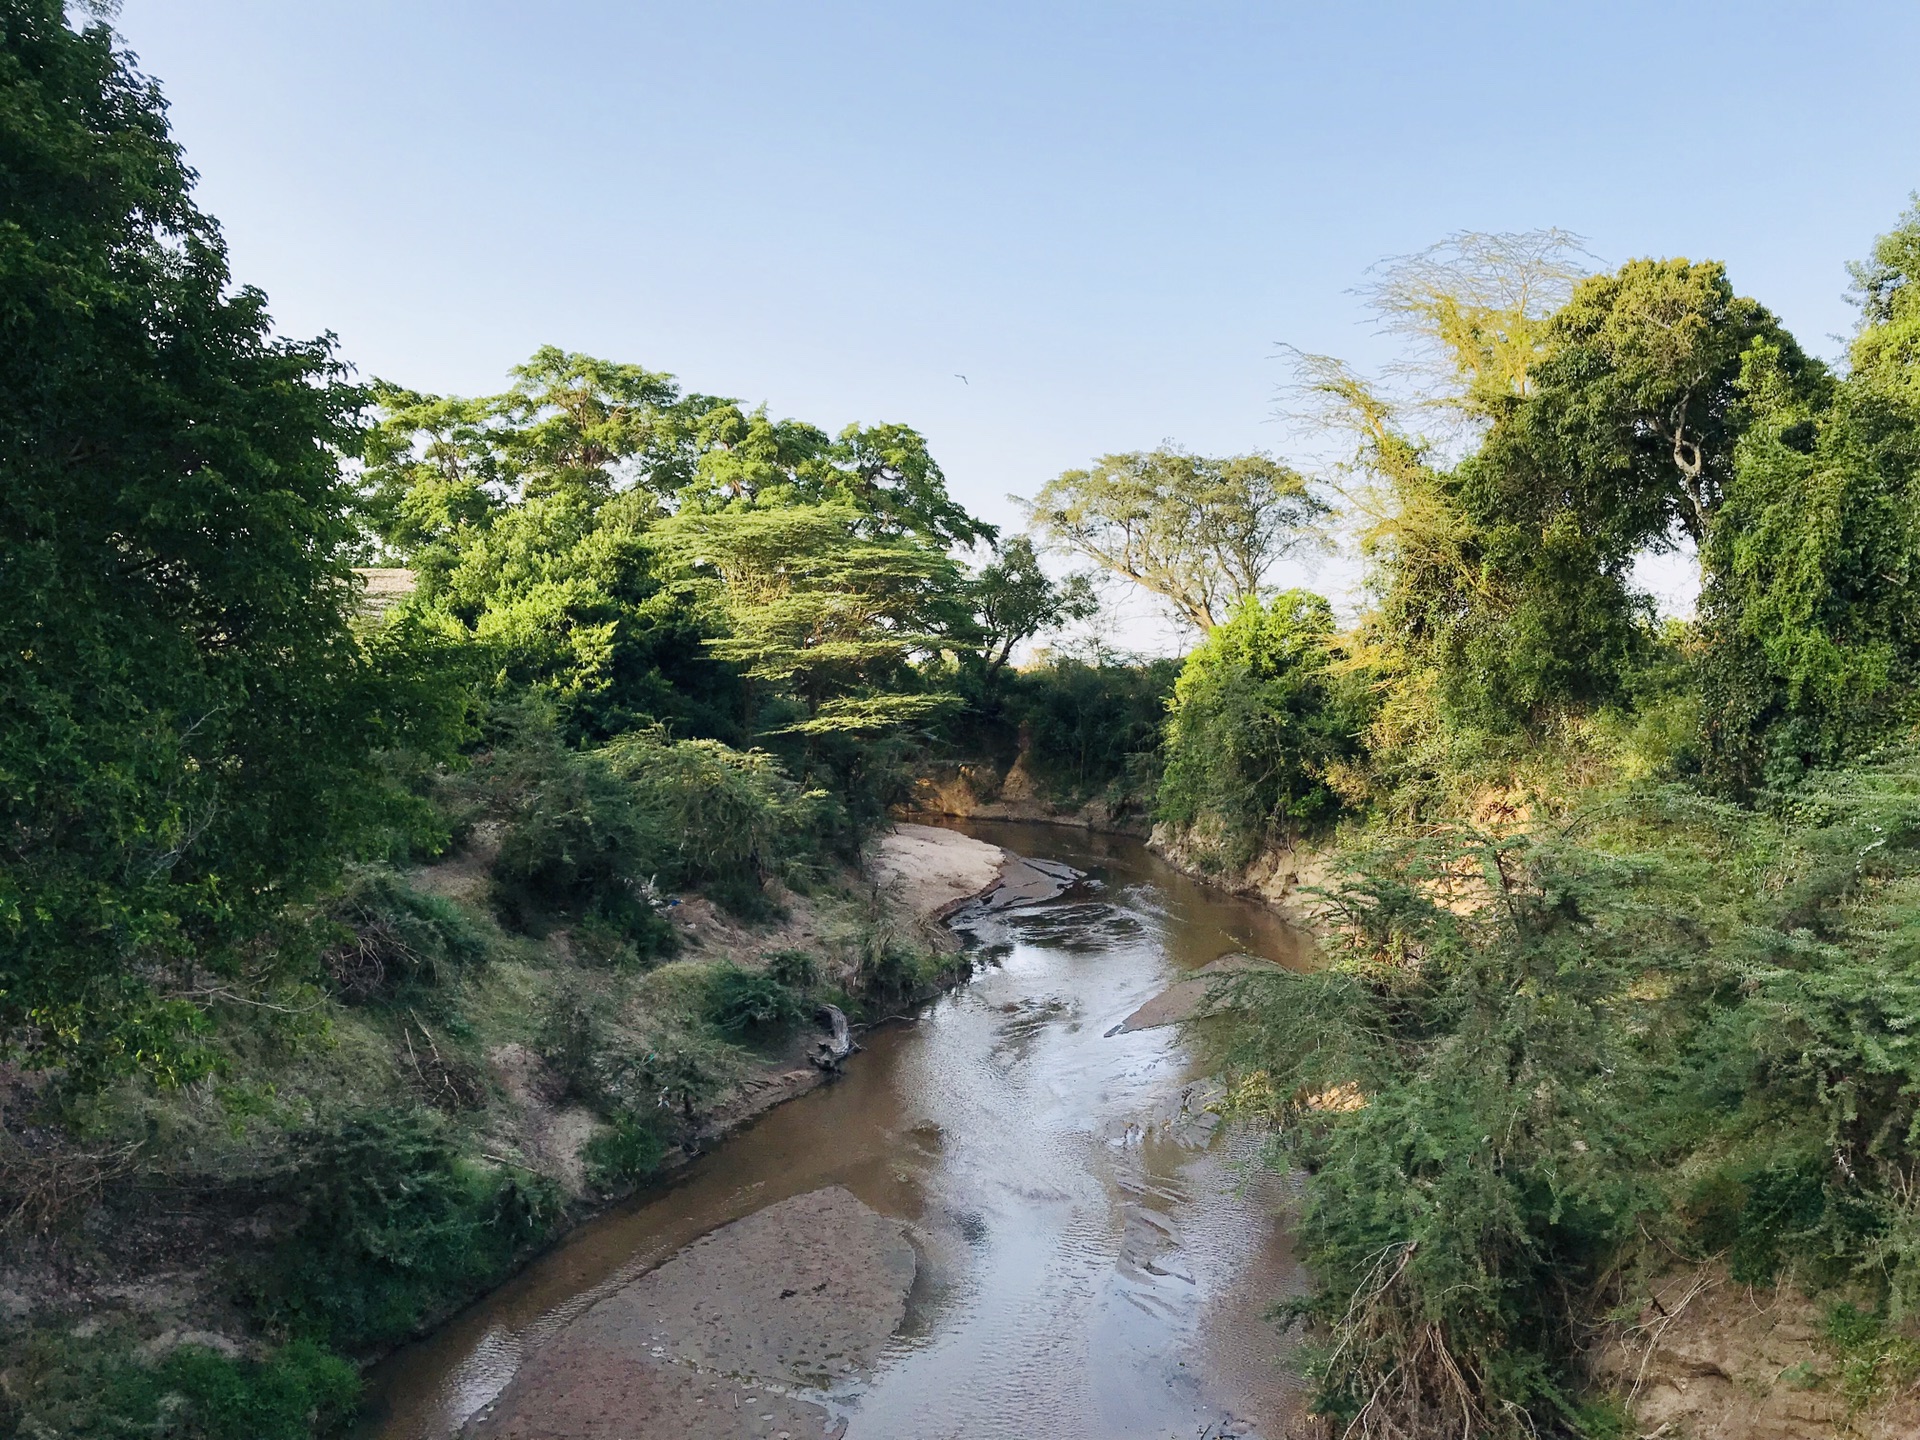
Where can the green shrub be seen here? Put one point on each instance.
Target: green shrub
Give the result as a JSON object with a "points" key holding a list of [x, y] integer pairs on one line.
{"points": [[751, 1002], [396, 1226], [1875, 1359], [1783, 1206], [1659, 1020], [397, 939], [629, 1152], [674, 1064], [795, 969], [575, 843], [743, 896], [1093, 728], [301, 1390], [97, 1388], [596, 834], [714, 814], [1256, 722], [892, 970]]}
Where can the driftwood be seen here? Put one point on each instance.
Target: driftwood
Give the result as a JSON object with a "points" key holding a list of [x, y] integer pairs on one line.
{"points": [[831, 1052]]}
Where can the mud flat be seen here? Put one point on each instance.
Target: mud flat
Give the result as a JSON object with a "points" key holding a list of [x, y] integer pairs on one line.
{"points": [[803, 1294]]}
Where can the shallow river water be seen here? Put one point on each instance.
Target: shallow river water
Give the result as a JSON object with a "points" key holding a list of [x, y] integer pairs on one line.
{"points": [[1095, 1260]]}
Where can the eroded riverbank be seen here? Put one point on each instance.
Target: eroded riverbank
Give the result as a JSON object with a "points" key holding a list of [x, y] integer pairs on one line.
{"points": [[1087, 1260]]}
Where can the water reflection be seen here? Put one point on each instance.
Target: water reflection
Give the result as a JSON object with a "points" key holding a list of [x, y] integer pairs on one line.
{"points": [[1094, 1264]]}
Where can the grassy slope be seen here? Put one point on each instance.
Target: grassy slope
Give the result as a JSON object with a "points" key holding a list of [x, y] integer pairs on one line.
{"points": [[150, 1254]]}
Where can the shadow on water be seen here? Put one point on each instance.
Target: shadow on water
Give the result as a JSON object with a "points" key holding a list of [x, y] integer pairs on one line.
{"points": [[1095, 1260]]}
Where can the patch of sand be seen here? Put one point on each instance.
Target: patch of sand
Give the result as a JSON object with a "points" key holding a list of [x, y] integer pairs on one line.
{"points": [[1197, 995], [802, 1293], [933, 871]]}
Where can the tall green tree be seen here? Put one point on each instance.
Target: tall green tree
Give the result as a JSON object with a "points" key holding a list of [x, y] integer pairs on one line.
{"points": [[1017, 600], [189, 724], [1202, 534], [1606, 427], [1258, 721], [1811, 611], [884, 472], [523, 515], [821, 614]]}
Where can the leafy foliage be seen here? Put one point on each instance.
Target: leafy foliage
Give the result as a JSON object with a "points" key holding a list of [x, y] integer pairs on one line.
{"points": [[1201, 534], [755, 1003], [598, 833], [397, 939], [398, 1226], [1662, 1016], [623, 1155], [1256, 724], [1810, 603], [1017, 600], [97, 1388], [189, 724]]}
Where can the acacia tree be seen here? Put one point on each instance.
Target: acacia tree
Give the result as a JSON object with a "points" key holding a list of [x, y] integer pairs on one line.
{"points": [[884, 472], [188, 722], [818, 612], [1202, 534]]}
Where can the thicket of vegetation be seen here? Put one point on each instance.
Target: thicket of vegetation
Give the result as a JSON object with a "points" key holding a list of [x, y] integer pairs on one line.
{"points": [[1621, 969]]}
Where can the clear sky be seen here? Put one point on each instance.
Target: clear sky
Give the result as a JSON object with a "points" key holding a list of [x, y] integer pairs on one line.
{"points": [[1105, 216]]}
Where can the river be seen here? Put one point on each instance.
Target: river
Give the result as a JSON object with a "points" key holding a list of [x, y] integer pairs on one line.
{"points": [[1095, 1260]]}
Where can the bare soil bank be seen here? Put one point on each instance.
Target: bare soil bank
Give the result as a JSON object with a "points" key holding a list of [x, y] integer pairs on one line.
{"points": [[980, 792]]}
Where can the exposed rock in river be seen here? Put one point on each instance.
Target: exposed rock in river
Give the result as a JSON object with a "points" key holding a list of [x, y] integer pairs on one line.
{"points": [[802, 1294]]}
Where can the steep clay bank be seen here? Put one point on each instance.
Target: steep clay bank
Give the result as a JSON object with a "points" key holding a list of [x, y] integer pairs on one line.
{"points": [[981, 792], [1281, 876], [1710, 1359]]}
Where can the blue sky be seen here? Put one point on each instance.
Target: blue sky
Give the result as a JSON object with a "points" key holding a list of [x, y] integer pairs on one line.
{"points": [[1105, 216]]}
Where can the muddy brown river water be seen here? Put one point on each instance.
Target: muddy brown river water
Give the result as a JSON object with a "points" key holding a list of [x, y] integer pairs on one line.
{"points": [[1095, 1259]]}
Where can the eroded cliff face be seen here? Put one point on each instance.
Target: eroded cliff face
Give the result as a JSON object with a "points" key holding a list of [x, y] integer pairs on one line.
{"points": [[1283, 876], [1710, 1359], [981, 792]]}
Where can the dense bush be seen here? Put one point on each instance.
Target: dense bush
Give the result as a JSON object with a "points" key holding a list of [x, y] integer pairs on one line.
{"points": [[97, 1388], [600, 833], [397, 938], [794, 968], [396, 1226], [1084, 729], [1257, 721], [573, 843], [628, 1152], [1665, 1017], [1093, 727], [712, 813], [673, 1062], [752, 1002]]}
